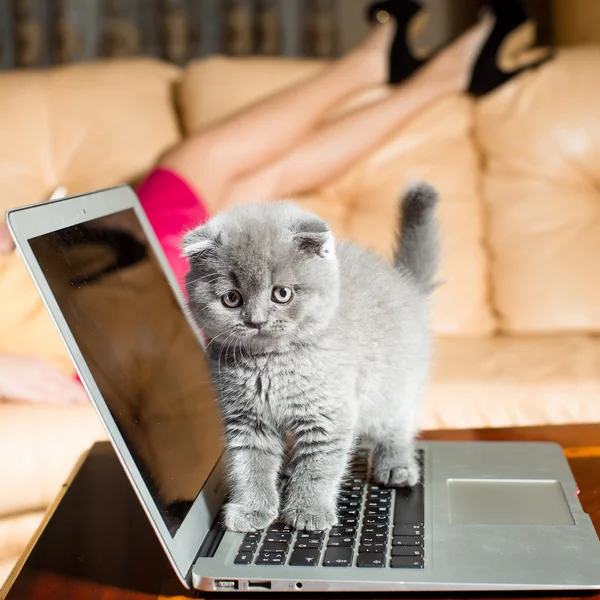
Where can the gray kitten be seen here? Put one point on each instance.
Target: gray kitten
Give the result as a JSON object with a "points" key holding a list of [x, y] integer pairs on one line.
{"points": [[314, 341]]}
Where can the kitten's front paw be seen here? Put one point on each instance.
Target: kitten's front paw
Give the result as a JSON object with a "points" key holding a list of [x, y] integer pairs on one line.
{"points": [[309, 518], [239, 518], [390, 474]]}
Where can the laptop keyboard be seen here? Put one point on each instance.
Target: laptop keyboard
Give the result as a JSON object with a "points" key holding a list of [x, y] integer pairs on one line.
{"points": [[378, 527]]}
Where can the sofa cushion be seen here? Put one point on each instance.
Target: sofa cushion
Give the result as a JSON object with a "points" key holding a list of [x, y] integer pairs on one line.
{"points": [[509, 381], [541, 138], [83, 127], [362, 204], [25, 325], [44, 443], [16, 531], [216, 87], [6, 566]]}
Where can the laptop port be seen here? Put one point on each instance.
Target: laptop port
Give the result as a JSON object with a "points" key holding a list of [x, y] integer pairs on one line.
{"points": [[259, 585], [225, 584]]}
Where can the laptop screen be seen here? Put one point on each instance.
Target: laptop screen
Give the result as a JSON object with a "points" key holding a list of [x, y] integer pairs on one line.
{"points": [[141, 351]]}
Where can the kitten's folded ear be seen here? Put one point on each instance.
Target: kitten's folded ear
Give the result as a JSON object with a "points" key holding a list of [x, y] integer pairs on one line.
{"points": [[314, 237], [199, 241]]}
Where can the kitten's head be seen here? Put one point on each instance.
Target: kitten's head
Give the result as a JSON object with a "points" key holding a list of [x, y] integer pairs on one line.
{"points": [[262, 276]]}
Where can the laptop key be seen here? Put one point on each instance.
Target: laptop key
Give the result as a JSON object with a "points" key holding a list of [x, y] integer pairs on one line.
{"points": [[309, 544], [406, 540], [270, 547], [270, 558], [378, 503], [375, 519], [379, 528], [278, 538], [407, 551], [408, 530], [406, 562], [371, 560], [311, 535], [340, 541], [304, 558], [244, 558], [345, 530], [374, 537], [253, 535], [312, 539], [248, 546], [279, 528], [338, 557], [379, 493], [371, 548], [410, 507]]}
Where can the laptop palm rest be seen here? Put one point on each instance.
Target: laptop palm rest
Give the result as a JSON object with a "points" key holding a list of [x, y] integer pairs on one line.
{"points": [[502, 502]]}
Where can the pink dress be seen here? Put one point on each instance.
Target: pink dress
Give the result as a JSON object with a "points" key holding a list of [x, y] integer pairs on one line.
{"points": [[172, 208]]}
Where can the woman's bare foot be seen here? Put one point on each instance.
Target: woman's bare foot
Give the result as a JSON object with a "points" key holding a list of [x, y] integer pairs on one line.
{"points": [[453, 66], [371, 57], [31, 380], [6, 243]]}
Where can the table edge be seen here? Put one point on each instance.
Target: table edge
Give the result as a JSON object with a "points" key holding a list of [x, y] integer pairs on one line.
{"points": [[16, 570]]}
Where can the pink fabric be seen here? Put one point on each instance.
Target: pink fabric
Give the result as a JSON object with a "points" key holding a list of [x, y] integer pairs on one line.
{"points": [[172, 209]]}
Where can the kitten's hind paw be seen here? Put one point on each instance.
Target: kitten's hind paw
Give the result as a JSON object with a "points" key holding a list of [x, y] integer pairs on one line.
{"points": [[385, 473], [239, 518], [309, 519]]}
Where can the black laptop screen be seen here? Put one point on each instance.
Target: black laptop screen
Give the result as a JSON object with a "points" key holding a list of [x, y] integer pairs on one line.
{"points": [[141, 351]]}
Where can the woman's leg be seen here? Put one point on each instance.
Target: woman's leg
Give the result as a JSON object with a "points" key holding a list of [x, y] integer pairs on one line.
{"points": [[330, 150], [333, 148], [212, 158]]}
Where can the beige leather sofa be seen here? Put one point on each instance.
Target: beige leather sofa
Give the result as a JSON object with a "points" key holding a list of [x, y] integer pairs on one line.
{"points": [[519, 173]]}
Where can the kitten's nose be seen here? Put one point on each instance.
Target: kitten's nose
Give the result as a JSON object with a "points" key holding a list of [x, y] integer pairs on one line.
{"points": [[255, 324]]}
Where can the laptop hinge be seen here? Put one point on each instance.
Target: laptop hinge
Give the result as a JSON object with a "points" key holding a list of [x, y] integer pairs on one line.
{"points": [[212, 540]]}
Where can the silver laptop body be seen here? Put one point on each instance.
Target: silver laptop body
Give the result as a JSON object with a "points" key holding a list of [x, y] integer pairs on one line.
{"points": [[486, 516]]}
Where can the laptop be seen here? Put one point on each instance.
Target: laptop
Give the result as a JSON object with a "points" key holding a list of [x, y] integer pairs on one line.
{"points": [[485, 515]]}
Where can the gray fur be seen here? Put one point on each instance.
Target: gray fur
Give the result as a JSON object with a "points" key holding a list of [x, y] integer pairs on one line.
{"points": [[347, 357], [418, 249]]}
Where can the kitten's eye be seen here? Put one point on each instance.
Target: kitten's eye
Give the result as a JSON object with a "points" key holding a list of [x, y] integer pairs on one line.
{"points": [[281, 294], [232, 299]]}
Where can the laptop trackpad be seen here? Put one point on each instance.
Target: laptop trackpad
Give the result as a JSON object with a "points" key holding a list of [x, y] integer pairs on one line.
{"points": [[508, 502]]}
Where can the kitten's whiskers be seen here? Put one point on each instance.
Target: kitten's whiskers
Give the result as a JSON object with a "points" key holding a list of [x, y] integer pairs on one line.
{"points": [[214, 339]]}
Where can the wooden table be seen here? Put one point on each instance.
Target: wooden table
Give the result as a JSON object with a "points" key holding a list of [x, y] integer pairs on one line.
{"points": [[97, 544]]}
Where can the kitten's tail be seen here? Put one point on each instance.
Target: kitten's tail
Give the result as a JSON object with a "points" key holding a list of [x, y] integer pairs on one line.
{"points": [[418, 249]]}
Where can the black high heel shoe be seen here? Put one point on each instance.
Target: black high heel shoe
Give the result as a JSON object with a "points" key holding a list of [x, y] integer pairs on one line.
{"points": [[509, 49], [403, 62]]}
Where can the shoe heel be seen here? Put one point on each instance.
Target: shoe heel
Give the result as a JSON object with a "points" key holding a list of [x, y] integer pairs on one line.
{"points": [[409, 18], [509, 50]]}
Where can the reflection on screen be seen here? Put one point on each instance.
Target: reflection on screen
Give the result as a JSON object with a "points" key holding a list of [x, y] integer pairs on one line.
{"points": [[142, 352]]}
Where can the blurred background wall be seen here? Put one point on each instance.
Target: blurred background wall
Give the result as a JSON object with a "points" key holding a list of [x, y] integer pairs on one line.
{"points": [[576, 22], [37, 33]]}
